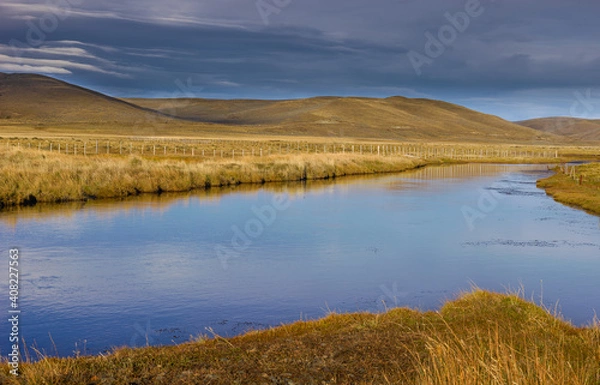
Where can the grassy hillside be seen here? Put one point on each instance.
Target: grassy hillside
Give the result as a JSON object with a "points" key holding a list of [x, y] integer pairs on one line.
{"points": [[580, 129], [35, 105], [36, 98], [393, 118], [480, 338]]}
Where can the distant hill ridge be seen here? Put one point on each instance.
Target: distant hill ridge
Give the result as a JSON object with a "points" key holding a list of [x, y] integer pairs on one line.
{"points": [[52, 104], [574, 128]]}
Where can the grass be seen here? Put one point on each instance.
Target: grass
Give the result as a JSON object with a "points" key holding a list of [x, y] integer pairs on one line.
{"points": [[37, 170], [29, 176], [228, 147], [479, 338], [576, 186]]}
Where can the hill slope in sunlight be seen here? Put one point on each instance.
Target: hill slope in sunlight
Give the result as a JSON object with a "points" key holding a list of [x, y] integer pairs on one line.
{"points": [[32, 103], [36, 98], [393, 118]]}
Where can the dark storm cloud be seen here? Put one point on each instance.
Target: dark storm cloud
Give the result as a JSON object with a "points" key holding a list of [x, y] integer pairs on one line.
{"points": [[535, 54]]}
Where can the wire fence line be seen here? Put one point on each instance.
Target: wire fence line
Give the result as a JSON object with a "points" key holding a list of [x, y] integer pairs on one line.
{"points": [[236, 149], [581, 177]]}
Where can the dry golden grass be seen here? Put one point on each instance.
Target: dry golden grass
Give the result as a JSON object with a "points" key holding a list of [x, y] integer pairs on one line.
{"points": [[576, 186], [29, 176], [231, 147], [480, 338], [55, 170]]}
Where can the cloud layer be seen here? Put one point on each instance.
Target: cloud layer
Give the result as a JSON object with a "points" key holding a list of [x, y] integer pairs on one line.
{"points": [[518, 59]]}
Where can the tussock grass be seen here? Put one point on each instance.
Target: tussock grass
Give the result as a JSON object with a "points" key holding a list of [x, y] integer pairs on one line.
{"points": [[576, 186], [29, 176], [480, 338]]}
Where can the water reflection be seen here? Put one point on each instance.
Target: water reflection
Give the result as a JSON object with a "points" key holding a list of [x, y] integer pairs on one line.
{"points": [[12, 216]]}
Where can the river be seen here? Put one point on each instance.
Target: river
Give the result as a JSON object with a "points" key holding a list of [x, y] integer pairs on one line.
{"points": [[165, 269]]}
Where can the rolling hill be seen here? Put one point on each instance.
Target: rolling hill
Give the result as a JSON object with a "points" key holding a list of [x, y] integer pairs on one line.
{"points": [[55, 106], [393, 118], [36, 98], [579, 129]]}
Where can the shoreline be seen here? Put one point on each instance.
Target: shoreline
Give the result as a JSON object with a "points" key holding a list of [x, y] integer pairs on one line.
{"points": [[33, 177], [470, 339], [578, 187]]}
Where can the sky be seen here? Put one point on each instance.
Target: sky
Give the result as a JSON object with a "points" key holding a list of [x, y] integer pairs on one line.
{"points": [[518, 59]]}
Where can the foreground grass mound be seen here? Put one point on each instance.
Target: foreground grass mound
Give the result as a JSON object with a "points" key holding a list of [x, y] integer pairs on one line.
{"points": [[480, 338], [576, 186], [29, 176]]}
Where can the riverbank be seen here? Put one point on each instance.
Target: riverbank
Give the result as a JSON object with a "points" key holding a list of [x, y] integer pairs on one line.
{"points": [[30, 177], [480, 338], [575, 186]]}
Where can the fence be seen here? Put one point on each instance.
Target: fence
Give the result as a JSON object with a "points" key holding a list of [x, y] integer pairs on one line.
{"points": [[236, 148], [575, 173]]}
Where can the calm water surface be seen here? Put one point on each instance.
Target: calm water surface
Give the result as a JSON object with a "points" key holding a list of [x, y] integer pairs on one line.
{"points": [[160, 270]]}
